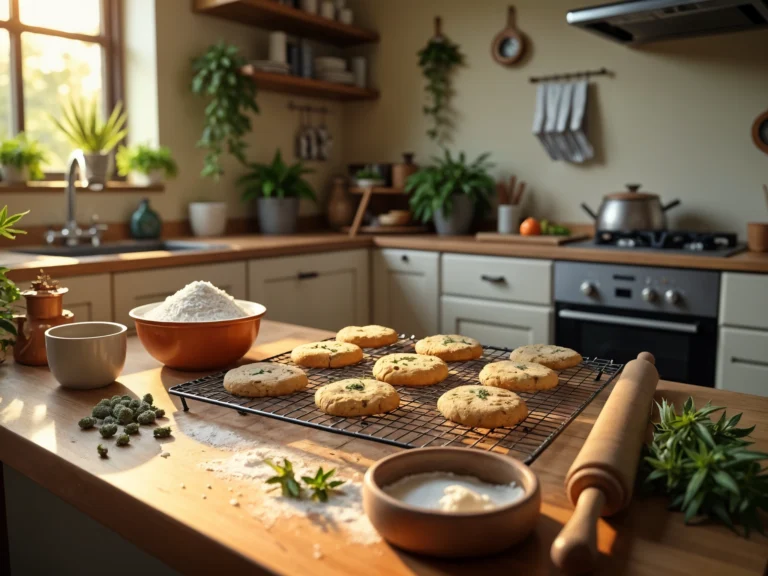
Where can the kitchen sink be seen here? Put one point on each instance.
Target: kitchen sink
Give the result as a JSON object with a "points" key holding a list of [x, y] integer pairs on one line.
{"points": [[118, 248]]}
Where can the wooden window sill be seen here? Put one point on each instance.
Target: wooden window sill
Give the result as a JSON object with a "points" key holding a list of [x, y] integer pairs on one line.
{"points": [[58, 186]]}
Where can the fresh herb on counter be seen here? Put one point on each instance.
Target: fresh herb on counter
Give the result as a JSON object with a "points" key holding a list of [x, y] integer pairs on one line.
{"points": [[146, 417], [162, 432], [108, 430], [102, 450], [132, 428], [320, 485], [705, 467], [285, 477], [124, 415], [123, 440], [148, 399], [159, 413], [87, 422]]}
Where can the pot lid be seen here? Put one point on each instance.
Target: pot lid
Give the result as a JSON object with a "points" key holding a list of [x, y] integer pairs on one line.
{"points": [[632, 194]]}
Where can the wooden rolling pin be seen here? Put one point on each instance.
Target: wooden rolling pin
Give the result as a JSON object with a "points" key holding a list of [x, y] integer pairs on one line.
{"points": [[601, 477]]}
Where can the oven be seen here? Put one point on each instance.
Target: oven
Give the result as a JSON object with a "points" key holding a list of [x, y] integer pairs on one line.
{"points": [[611, 311]]}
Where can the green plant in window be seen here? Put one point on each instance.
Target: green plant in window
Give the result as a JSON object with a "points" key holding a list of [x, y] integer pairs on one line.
{"points": [[23, 152], [276, 180], [81, 124], [145, 159], [438, 60], [9, 293], [218, 76]]}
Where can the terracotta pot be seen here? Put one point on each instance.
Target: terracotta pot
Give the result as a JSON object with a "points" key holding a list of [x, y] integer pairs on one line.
{"points": [[757, 236], [341, 209], [44, 311]]}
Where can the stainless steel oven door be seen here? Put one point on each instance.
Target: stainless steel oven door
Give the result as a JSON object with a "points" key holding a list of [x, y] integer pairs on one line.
{"points": [[684, 346]]}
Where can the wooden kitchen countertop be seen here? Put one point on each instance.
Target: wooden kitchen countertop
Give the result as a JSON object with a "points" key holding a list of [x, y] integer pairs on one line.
{"points": [[232, 248], [39, 438]]}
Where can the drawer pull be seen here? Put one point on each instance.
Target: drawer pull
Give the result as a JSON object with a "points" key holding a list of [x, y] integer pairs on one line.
{"points": [[735, 360], [493, 279], [404, 258], [307, 275]]}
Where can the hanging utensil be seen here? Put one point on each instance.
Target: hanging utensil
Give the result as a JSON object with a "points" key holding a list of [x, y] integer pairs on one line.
{"points": [[325, 140], [509, 45]]}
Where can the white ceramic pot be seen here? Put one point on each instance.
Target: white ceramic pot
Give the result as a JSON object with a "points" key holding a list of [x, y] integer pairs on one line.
{"points": [[154, 178], [98, 169], [208, 218], [86, 355], [509, 218], [13, 175]]}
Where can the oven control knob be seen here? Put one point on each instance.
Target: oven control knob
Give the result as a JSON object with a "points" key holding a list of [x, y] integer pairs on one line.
{"points": [[649, 294], [672, 297], [588, 289]]}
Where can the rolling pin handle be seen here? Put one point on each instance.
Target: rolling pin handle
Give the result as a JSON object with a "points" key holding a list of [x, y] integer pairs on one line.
{"points": [[647, 356], [574, 550]]}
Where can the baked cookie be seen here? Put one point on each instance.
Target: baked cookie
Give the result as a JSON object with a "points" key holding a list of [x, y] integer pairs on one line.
{"points": [[357, 397], [372, 336], [450, 347], [327, 354], [482, 406], [264, 379], [518, 376], [555, 357], [410, 369]]}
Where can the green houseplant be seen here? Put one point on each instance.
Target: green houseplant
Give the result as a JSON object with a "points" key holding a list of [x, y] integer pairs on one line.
{"points": [[438, 60], [146, 165], [450, 191], [231, 95], [277, 188], [21, 159], [8, 291], [80, 122]]}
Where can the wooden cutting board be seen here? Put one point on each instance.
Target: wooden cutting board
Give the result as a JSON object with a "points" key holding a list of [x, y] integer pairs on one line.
{"points": [[518, 239]]}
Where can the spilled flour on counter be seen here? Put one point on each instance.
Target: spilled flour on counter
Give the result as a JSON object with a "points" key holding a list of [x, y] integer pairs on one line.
{"points": [[342, 513], [211, 433]]}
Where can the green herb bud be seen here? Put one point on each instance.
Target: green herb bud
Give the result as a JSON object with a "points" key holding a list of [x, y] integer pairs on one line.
{"points": [[146, 417], [159, 412], [87, 422], [148, 398], [143, 407], [134, 404], [101, 411], [102, 450], [109, 420], [114, 401], [162, 432], [103, 402], [116, 408], [125, 415], [132, 428], [123, 440], [107, 431], [126, 397], [126, 403]]}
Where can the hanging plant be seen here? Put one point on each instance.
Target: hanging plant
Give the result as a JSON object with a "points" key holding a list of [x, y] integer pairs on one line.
{"points": [[437, 60], [232, 95]]}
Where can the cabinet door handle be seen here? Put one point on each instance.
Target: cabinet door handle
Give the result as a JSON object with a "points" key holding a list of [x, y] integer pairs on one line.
{"points": [[307, 275], [493, 279], [758, 363], [404, 258]]}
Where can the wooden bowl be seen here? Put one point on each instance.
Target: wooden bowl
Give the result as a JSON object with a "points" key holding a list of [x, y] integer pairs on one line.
{"points": [[395, 218], [198, 345], [449, 534]]}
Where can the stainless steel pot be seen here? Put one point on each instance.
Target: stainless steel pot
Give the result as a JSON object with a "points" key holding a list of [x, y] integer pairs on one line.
{"points": [[631, 210]]}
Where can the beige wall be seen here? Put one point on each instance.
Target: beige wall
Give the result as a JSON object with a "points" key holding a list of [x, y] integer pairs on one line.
{"points": [[676, 117]]}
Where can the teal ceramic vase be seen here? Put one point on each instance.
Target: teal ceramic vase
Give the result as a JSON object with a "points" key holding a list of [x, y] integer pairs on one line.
{"points": [[145, 222]]}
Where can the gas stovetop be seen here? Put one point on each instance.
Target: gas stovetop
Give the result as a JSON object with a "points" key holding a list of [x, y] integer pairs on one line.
{"points": [[673, 241]]}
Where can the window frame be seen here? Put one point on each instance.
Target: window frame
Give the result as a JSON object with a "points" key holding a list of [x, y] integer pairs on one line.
{"points": [[109, 38]]}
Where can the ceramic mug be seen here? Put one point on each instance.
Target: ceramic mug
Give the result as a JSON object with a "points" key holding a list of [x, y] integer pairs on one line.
{"points": [[309, 6], [328, 10], [346, 16], [86, 355], [509, 218]]}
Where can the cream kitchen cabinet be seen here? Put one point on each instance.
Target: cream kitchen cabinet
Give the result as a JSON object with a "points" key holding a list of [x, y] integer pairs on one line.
{"points": [[133, 289], [742, 355], [406, 291], [89, 298], [327, 291]]}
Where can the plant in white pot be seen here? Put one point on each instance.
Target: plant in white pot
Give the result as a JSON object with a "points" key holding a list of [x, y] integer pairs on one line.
{"points": [[146, 166], [81, 123], [21, 159], [450, 192], [232, 95], [278, 188]]}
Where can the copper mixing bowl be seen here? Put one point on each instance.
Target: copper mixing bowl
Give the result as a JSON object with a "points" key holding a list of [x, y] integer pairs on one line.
{"points": [[198, 346]]}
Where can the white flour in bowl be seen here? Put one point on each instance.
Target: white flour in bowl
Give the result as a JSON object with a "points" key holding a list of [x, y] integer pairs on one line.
{"points": [[197, 302]]}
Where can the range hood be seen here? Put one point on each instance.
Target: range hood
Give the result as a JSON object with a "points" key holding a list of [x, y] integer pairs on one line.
{"points": [[640, 21]]}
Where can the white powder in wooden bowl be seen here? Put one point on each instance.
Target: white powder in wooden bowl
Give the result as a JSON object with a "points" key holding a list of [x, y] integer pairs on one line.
{"points": [[197, 302]]}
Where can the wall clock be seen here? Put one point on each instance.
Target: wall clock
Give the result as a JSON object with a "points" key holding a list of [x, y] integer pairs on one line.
{"points": [[760, 132], [509, 45]]}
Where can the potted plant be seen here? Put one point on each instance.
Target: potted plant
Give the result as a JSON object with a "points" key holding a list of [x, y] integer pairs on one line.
{"points": [[450, 191], [368, 177], [8, 291], [81, 124], [218, 77], [145, 165], [277, 188], [21, 159]]}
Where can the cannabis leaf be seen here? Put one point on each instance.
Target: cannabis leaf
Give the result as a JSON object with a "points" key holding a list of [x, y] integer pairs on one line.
{"points": [[482, 394], [320, 485], [285, 477]]}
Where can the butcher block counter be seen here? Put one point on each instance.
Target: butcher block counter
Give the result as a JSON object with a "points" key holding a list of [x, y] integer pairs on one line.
{"points": [[140, 496], [24, 267]]}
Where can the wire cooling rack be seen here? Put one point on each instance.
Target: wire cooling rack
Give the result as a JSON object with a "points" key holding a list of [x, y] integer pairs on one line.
{"points": [[417, 423]]}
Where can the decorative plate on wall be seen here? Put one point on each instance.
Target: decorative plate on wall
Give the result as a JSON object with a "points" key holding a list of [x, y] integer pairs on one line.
{"points": [[508, 45], [760, 132]]}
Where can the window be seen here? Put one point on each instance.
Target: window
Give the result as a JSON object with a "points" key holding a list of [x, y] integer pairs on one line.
{"points": [[51, 50]]}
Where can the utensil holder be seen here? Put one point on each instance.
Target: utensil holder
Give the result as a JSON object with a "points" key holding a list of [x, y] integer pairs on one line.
{"points": [[509, 218], [757, 236]]}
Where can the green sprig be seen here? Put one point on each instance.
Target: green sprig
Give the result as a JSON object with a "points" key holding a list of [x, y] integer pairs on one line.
{"points": [[285, 477], [320, 484], [438, 60]]}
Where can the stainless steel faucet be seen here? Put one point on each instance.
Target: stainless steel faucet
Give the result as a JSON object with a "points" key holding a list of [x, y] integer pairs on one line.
{"points": [[72, 234]]}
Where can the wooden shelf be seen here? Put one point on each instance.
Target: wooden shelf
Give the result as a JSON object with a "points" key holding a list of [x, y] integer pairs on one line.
{"points": [[273, 16], [410, 229], [377, 190], [55, 186], [308, 87]]}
